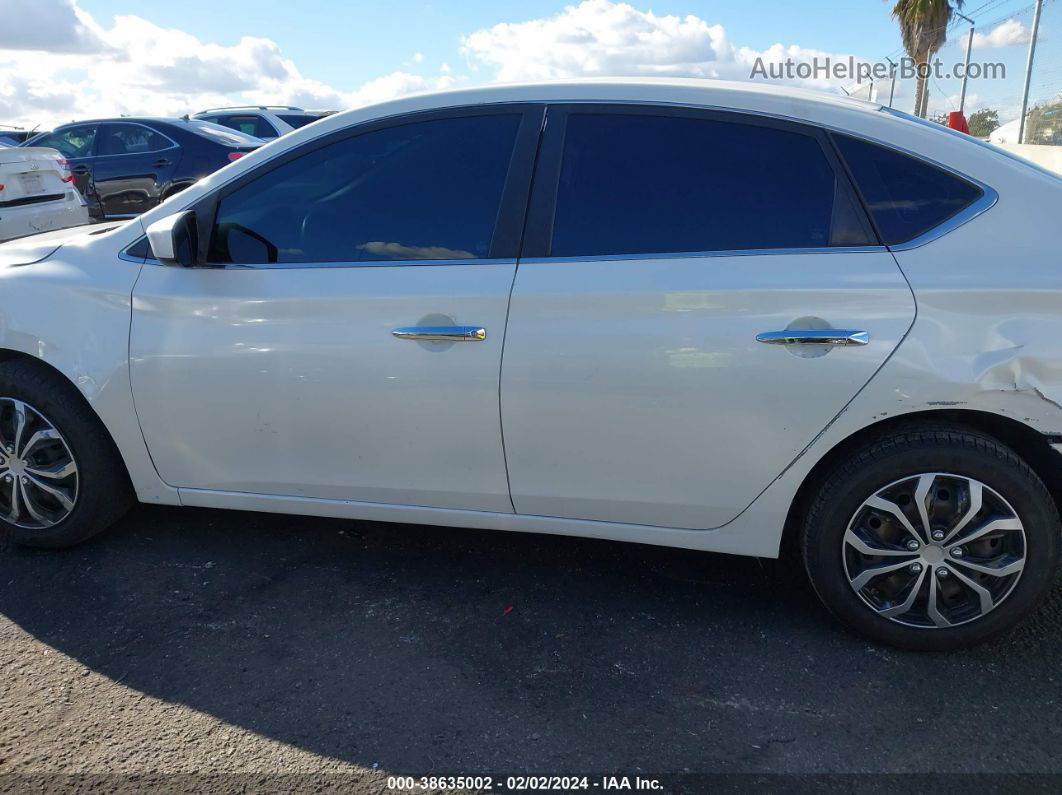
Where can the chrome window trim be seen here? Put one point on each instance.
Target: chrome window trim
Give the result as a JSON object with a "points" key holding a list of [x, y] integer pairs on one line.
{"points": [[988, 199], [173, 144], [125, 255], [402, 263], [743, 252], [748, 252]]}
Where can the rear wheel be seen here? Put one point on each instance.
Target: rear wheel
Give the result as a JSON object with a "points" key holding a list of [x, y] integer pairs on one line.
{"points": [[61, 478], [932, 538]]}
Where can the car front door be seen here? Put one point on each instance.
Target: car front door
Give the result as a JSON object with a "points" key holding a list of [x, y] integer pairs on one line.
{"points": [[132, 167], [666, 355], [345, 341]]}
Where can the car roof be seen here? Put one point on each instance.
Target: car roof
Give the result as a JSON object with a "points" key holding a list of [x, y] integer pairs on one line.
{"points": [[693, 91], [131, 119]]}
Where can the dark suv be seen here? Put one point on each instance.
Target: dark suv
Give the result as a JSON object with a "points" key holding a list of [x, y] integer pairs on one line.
{"points": [[126, 166]]}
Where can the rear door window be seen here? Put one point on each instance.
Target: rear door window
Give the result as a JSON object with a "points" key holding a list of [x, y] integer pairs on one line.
{"points": [[905, 196], [130, 139], [660, 184]]}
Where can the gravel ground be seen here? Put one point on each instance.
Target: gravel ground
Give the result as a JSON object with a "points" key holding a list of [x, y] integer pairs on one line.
{"points": [[204, 642]]}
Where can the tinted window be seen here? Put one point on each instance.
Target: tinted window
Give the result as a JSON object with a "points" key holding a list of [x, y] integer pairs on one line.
{"points": [[141, 249], [639, 184], [429, 190], [71, 142], [249, 125], [905, 196], [130, 139], [298, 120]]}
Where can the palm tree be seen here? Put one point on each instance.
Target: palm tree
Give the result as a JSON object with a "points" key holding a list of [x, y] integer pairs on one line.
{"points": [[922, 26]]}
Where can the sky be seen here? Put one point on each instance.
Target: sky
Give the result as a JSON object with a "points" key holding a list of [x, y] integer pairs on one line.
{"points": [[63, 60]]}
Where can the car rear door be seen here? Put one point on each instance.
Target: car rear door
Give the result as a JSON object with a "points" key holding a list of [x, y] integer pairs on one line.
{"points": [[133, 165], [699, 295], [345, 341]]}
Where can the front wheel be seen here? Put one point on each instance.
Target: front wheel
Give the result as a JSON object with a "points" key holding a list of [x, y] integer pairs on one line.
{"points": [[61, 477], [932, 538]]}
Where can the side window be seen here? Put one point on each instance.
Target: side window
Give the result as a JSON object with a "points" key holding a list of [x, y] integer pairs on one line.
{"points": [[421, 191], [130, 139], [297, 120], [905, 196], [140, 249], [73, 141], [646, 184], [249, 125]]}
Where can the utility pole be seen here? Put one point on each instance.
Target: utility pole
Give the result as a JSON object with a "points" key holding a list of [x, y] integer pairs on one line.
{"points": [[1028, 71], [966, 69], [892, 75]]}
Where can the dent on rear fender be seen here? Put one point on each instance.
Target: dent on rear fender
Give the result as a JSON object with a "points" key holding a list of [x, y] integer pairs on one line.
{"points": [[1012, 366]]}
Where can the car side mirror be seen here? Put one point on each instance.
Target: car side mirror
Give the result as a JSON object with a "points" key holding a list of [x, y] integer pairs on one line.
{"points": [[175, 239]]}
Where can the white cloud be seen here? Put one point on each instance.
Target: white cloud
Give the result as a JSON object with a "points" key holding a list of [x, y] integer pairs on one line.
{"points": [[600, 37], [1010, 32], [58, 64], [53, 25]]}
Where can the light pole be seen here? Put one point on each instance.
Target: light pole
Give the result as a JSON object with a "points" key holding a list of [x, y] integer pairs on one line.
{"points": [[966, 68], [892, 75], [1028, 71]]}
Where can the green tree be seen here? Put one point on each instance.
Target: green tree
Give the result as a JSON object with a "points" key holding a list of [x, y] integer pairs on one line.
{"points": [[983, 122], [1043, 125], [923, 25]]}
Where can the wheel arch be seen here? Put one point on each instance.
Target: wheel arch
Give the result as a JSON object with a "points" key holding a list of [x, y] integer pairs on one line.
{"points": [[1029, 444], [10, 354]]}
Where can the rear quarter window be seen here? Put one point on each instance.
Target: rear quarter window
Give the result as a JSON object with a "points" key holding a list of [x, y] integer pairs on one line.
{"points": [[906, 197]]}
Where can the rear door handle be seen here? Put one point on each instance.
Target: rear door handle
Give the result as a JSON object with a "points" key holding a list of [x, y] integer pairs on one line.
{"points": [[814, 336], [441, 333], [160, 163], [80, 170]]}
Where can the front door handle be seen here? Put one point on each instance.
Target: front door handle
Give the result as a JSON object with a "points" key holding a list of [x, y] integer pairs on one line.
{"points": [[441, 333], [814, 336]]}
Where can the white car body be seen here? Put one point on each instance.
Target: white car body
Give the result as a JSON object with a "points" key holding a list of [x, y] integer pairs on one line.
{"points": [[632, 402], [267, 122], [37, 193]]}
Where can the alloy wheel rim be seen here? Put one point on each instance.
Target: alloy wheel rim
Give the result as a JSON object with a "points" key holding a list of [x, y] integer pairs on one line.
{"points": [[934, 550], [38, 474]]}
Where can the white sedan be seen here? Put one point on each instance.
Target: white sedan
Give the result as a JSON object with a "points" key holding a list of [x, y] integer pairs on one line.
{"points": [[685, 313], [37, 192]]}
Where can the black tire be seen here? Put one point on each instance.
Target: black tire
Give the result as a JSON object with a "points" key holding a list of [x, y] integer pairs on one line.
{"points": [[905, 453], [104, 493]]}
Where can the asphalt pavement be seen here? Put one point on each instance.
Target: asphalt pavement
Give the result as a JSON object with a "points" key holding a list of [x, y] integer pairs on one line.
{"points": [[211, 643]]}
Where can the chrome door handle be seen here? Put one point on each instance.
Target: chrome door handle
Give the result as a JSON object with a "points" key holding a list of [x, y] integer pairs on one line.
{"points": [[441, 333], [814, 336]]}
